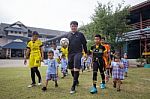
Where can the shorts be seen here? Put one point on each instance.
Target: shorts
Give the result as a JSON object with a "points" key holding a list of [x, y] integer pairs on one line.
{"points": [[98, 65], [125, 69], [74, 60], [35, 60], [51, 77]]}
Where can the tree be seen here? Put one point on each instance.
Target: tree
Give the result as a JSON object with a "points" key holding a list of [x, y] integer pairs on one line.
{"points": [[109, 23]]}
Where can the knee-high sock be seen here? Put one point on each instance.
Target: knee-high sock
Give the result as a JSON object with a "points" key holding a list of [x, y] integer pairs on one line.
{"points": [[76, 76]]}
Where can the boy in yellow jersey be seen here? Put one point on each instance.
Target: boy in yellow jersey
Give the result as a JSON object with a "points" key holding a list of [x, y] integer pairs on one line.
{"points": [[35, 54]]}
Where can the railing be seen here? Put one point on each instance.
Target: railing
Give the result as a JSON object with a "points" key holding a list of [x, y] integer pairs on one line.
{"points": [[138, 25]]}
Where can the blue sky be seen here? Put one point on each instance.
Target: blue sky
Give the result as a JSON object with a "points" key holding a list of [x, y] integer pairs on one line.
{"points": [[51, 14]]}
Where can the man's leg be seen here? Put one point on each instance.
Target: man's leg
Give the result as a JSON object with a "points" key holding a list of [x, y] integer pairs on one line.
{"points": [[77, 66]]}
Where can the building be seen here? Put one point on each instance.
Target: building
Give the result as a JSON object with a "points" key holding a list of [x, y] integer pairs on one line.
{"points": [[137, 41], [13, 38]]}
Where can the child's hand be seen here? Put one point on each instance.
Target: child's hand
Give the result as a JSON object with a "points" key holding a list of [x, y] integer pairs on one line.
{"points": [[121, 66], [25, 62], [42, 59]]}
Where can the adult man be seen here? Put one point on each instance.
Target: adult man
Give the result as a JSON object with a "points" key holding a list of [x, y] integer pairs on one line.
{"points": [[77, 43]]}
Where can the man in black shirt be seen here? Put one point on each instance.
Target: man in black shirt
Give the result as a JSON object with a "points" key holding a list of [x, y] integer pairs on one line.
{"points": [[77, 43], [98, 51]]}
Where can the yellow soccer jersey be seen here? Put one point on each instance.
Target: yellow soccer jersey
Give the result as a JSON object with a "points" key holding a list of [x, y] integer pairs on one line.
{"points": [[65, 51], [35, 53]]}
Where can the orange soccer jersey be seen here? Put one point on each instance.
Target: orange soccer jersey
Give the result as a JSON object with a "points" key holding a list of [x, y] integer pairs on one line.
{"points": [[106, 57]]}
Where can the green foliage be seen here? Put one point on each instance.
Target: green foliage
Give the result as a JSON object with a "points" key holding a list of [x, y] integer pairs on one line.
{"points": [[109, 23]]}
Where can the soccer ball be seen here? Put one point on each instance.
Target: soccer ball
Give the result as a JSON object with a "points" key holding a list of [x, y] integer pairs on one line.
{"points": [[64, 42]]}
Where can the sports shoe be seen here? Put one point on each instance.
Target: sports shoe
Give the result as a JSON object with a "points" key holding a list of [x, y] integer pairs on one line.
{"points": [[72, 90], [39, 84], [93, 90], [44, 88], [31, 85], [102, 86]]}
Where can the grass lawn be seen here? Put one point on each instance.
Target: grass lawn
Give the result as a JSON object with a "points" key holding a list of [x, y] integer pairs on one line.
{"points": [[14, 82]]}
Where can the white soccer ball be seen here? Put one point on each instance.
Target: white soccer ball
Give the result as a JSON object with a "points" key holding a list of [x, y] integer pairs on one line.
{"points": [[64, 42]]}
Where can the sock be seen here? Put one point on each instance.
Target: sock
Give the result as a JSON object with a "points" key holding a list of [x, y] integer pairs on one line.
{"points": [[94, 79], [76, 76]]}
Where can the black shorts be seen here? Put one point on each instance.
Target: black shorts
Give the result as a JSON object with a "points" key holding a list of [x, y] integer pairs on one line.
{"points": [[99, 65], [74, 60]]}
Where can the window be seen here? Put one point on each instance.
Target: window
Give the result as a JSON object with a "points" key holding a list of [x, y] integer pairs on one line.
{"points": [[11, 31], [15, 32], [19, 32]]}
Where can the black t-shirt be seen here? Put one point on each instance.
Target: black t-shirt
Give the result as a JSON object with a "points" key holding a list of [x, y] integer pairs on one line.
{"points": [[97, 51], [77, 42]]}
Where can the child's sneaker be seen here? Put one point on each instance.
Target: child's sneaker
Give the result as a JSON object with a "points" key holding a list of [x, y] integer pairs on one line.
{"points": [[72, 90], [102, 86], [39, 84], [31, 85], [93, 90], [44, 88]]}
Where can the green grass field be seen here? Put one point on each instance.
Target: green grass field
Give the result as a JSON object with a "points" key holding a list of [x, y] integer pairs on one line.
{"points": [[14, 82]]}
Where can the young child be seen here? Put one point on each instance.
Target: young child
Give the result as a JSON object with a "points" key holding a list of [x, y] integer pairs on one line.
{"points": [[64, 64], [35, 54], [52, 70], [88, 62], [117, 71], [83, 61], [126, 64], [56, 52], [98, 51]]}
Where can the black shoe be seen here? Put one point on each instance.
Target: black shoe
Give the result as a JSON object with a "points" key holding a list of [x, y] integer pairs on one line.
{"points": [[114, 85], [56, 85], [118, 90], [72, 90], [44, 88]]}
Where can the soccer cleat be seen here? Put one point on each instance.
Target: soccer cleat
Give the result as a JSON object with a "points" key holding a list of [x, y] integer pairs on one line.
{"points": [[72, 90], [93, 90], [102, 86], [44, 88], [31, 85]]}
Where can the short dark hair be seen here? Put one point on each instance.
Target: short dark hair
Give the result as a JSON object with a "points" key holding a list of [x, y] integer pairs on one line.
{"points": [[97, 35], [50, 52], [74, 23], [35, 33], [103, 38]]}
